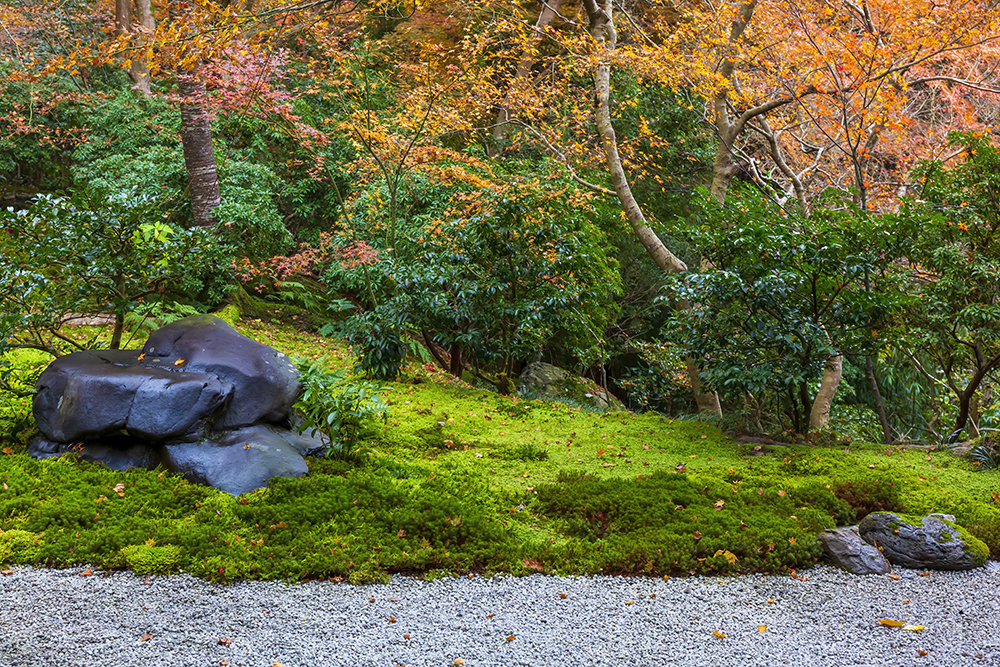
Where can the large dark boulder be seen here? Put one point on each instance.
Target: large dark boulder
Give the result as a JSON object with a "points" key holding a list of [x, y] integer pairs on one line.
{"points": [[845, 549], [200, 399], [265, 382], [933, 542], [90, 394]]}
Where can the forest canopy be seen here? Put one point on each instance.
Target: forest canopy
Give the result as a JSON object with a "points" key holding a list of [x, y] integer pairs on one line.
{"points": [[781, 215]]}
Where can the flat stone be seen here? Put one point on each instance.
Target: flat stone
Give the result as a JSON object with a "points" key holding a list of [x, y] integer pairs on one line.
{"points": [[845, 549], [236, 461], [929, 542], [115, 453]]}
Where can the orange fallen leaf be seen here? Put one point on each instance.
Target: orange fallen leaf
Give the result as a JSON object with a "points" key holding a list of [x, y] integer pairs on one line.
{"points": [[392, 619], [652, 595], [894, 576], [458, 661], [921, 652], [87, 572], [563, 596], [720, 634], [889, 623], [224, 641], [146, 637], [510, 638], [178, 362], [924, 574], [6, 573], [697, 535], [490, 616], [761, 628], [628, 602], [7, 450]]}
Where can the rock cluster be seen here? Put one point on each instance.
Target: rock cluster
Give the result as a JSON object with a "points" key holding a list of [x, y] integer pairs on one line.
{"points": [[199, 398], [933, 542]]}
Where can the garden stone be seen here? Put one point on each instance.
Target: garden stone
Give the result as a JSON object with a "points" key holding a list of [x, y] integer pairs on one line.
{"points": [[86, 395], [929, 542], [236, 461], [845, 549], [265, 382], [200, 399], [542, 379]]}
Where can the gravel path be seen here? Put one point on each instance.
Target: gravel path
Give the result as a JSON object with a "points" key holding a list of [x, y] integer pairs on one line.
{"points": [[826, 617]]}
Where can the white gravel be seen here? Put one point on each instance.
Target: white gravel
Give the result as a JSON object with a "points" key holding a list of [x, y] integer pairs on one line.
{"points": [[826, 617]]}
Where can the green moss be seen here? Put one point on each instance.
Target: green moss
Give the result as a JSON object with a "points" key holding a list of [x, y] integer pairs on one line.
{"points": [[19, 546], [230, 315], [144, 559]]}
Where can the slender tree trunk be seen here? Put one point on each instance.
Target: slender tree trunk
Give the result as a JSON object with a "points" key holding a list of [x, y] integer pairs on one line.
{"points": [[833, 371], [123, 17], [519, 84], [456, 360], [602, 29], [139, 70], [199, 158], [879, 406]]}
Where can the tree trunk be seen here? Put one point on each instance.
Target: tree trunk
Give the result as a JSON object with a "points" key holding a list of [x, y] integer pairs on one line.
{"points": [[602, 29], [139, 70], [879, 407], [833, 370], [199, 158], [123, 17], [548, 13], [456, 360]]}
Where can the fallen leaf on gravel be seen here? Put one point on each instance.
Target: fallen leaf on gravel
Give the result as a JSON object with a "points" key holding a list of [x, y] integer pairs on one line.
{"points": [[392, 619], [510, 638], [276, 664], [146, 637], [563, 596], [406, 636], [458, 661], [628, 602], [912, 628], [924, 574], [921, 652], [223, 663], [489, 616], [894, 576], [6, 573], [906, 600], [393, 599], [889, 623], [719, 633], [225, 641], [371, 599], [652, 595], [761, 628], [87, 572]]}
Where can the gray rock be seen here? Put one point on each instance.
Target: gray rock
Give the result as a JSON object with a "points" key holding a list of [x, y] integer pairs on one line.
{"points": [[265, 382], [845, 549], [236, 461], [928, 542], [87, 395], [542, 379]]}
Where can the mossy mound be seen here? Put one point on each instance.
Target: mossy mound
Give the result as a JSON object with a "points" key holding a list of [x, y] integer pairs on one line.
{"points": [[541, 380], [145, 559], [18, 546]]}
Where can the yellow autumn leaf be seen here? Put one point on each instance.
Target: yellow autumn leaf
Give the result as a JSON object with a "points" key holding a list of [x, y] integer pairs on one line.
{"points": [[719, 633], [889, 623], [912, 628], [761, 628], [719, 504], [178, 362]]}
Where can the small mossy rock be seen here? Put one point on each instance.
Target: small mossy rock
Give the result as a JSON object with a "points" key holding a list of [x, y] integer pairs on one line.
{"points": [[929, 542], [236, 461], [265, 382], [91, 394], [145, 560], [546, 380], [845, 549]]}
